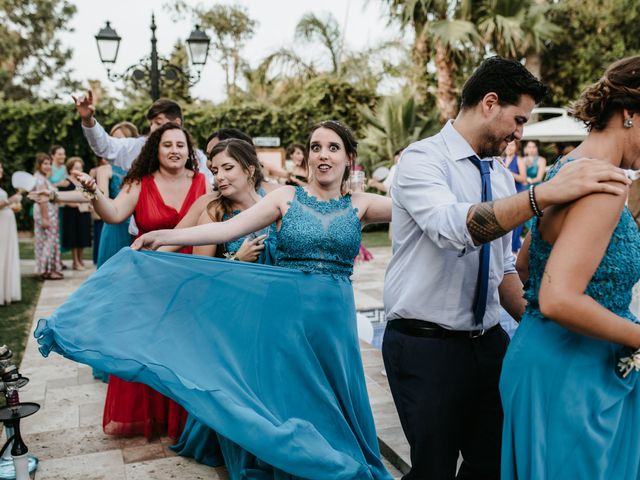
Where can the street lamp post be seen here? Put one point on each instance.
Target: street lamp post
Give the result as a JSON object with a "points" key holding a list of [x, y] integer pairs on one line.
{"points": [[198, 42]]}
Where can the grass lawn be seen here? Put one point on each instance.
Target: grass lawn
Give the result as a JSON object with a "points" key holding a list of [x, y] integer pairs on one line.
{"points": [[15, 319], [26, 251], [376, 239]]}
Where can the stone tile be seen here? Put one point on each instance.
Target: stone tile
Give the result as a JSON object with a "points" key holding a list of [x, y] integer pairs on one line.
{"points": [[63, 382], [96, 466], [141, 453], [71, 442], [54, 416], [91, 413], [79, 394], [176, 467]]}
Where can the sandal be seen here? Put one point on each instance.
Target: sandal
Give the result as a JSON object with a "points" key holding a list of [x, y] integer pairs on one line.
{"points": [[56, 276]]}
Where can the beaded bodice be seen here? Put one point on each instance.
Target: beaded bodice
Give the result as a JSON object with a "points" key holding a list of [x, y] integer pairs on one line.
{"points": [[115, 183], [614, 278], [319, 236]]}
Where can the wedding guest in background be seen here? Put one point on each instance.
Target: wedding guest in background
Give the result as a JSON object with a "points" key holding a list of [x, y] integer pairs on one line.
{"points": [[9, 252], [511, 161], [299, 173], [76, 219], [46, 225]]}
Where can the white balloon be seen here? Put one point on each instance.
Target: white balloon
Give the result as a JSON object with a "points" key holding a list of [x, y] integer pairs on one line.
{"points": [[23, 181], [365, 329]]}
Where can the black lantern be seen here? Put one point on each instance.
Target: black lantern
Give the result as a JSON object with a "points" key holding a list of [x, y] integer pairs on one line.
{"points": [[198, 43], [108, 44]]}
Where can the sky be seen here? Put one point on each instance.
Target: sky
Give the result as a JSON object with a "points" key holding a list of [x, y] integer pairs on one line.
{"points": [[366, 24]]}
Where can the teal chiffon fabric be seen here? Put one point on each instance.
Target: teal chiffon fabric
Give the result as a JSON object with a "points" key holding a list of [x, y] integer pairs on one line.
{"points": [[568, 414], [238, 346], [113, 237]]}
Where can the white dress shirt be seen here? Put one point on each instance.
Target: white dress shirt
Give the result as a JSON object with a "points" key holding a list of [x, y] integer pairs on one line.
{"points": [[433, 271]]}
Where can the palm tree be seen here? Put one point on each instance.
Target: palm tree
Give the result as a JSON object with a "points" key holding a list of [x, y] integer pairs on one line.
{"points": [[395, 124], [517, 29], [444, 34], [366, 68], [326, 31]]}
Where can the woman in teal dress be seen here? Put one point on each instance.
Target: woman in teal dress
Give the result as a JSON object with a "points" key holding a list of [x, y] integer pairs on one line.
{"points": [[569, 411], [239, 178], [267, 357]]}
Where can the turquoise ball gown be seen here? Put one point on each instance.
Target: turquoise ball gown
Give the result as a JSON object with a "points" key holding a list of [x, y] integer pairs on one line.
{"points": [[568, 413], [267, 357]]}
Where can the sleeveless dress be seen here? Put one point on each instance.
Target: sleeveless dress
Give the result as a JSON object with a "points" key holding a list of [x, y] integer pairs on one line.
{"points": [[198, 441], [114, 236], [9, 255], [133, 408], [267, 357], [516, 233], [75, 226], [568, 414]]}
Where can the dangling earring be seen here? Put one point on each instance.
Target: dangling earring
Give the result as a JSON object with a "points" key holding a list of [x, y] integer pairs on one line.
{"points": [[628, 123]]}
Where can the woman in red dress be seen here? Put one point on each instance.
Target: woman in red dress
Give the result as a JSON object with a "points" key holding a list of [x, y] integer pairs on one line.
{"points": [[159, 189]]}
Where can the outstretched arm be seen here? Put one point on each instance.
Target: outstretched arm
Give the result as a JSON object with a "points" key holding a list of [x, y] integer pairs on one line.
{"points": [[576, 254], [490, 220], [372, 208], [261, 215]]}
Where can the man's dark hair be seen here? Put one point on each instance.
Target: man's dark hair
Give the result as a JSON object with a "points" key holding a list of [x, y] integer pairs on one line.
{"points": [[506, 78], [227, 133], [171, 110]]}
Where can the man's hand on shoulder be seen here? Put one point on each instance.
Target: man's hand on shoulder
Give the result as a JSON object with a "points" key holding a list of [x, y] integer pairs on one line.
{"points": [[579, 178], [86, 108]]}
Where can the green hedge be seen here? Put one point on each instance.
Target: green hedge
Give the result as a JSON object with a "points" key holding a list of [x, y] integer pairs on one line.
{"points": [[30, 127]]}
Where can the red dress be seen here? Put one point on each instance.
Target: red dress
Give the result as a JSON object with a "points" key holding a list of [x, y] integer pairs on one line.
{"points": [[133, 408]]}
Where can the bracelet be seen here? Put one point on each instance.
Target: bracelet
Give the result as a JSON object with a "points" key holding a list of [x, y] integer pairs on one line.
{"points": [[533, 203], [627, 364], [53, 196], [230, 256], [88, 194]]}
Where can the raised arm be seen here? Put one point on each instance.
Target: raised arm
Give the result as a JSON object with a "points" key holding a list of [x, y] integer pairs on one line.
{"points": [[490, 220], [118, 151], [261, 215], [576, 254]]}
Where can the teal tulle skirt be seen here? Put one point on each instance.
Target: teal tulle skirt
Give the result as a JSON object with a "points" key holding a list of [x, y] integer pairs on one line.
{"points": [[568, 414], [267, 357], [113, 238]]}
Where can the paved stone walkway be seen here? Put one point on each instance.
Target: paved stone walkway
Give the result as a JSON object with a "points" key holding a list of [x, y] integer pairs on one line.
{"points": [[66, 435]]}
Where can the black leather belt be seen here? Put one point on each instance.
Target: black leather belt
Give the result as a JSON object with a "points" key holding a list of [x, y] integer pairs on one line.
{"points": [[422, 328]]}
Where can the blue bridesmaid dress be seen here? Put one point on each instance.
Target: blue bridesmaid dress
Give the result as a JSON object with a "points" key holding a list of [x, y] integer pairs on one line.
{"points": [[113, 237], [198, 441], [267, 357], [568, 414]]}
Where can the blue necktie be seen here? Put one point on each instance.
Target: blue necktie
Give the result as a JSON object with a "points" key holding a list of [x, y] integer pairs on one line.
{"points": [[480, 301]]}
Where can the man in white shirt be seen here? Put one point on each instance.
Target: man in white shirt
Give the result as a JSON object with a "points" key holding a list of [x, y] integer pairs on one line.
{"points": [[452, 267], [121, 152]]}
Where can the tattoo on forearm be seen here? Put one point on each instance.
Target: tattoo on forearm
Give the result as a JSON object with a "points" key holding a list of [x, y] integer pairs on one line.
{"points": [[546, 275], [483, 224]]}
